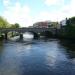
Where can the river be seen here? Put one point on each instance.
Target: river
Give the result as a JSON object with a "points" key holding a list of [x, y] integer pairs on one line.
{"points": [[37, 57]]}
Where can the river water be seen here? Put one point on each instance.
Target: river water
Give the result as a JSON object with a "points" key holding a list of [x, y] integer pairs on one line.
{"points": [[37, 57]]}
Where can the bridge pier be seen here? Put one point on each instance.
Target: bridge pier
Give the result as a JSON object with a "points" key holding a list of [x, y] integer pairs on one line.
{"points": [[6, 36], [21, 36], [55, 33], [12, 34]]}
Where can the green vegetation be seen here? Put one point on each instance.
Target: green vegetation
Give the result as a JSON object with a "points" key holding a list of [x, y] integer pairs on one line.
{"points": [[68, 31], [54, 25], [4, 23], [70, 28], [16, 25]]}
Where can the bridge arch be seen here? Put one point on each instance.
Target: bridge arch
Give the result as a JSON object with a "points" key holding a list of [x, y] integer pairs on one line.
{"points": [[46, 34], [35, 34]]}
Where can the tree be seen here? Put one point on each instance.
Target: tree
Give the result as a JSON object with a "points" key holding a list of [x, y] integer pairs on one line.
{"points": [[54, 25], [12, 26], [3, 23], [70, 27], [16, 25]]}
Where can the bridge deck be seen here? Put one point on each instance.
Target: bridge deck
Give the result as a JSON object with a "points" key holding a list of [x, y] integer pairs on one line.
{"points": [[26, 29]]}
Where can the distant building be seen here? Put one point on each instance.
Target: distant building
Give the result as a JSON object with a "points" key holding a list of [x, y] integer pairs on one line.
{"points": [[45, 24], [30, 26], [40, 25], [63, 22]]}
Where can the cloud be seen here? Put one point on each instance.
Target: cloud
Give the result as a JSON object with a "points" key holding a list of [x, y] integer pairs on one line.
{"points": [[19, 14], [6, 2], [52, 16], [69, 9], [53, 2], [22, 13]]}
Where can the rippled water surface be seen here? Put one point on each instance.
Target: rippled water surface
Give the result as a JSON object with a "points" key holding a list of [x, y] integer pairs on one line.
{"points": [[38, 57]]}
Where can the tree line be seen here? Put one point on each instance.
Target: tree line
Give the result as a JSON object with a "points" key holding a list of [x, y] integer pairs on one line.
{"points": [[5, 24], [67, 31]]}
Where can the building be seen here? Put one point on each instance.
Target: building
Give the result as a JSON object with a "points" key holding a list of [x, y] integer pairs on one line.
{"points": [[30, 26], [40, 25], [63, 22], [44, 24]]}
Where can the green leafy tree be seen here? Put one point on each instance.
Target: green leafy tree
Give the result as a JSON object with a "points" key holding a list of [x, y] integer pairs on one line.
{"points": [[70, 27], [16, 25], [3, 23]]}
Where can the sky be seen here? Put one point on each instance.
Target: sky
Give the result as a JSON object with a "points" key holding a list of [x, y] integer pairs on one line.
{"points": [[27, 12]]}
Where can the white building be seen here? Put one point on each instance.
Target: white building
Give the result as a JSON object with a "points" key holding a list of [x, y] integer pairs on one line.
{"points": [[63, 22]]}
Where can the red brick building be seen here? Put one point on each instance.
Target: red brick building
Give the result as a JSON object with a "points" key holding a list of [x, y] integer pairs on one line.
{"points": [[41, 25]]}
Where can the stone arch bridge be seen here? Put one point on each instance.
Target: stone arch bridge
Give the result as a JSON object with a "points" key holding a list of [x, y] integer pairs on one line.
{"points": [[23, 30]]}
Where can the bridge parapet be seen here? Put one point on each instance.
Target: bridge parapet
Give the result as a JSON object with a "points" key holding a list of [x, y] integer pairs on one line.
{"points": [[4, 30]]}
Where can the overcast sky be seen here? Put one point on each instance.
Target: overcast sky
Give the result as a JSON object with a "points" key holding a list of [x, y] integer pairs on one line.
{"points": [[27, 12]]}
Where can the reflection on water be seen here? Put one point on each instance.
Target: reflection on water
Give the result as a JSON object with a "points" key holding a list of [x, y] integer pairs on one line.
{"points": [[70, 47], [28, 35], [39, 57]]}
